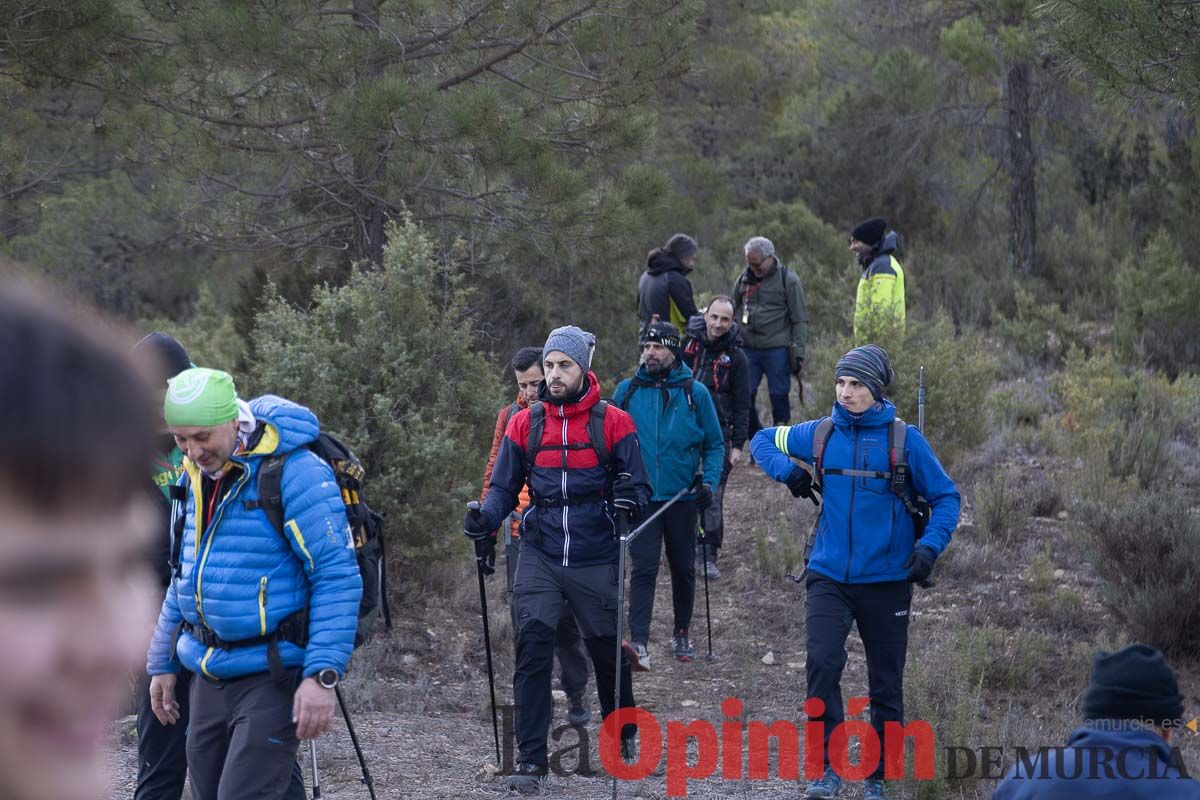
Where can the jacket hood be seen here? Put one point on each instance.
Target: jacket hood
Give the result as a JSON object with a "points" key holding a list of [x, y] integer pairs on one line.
{"points": [[291, 425], [679, 374], [660, 262], [521, 401], [878, 415], [591, 396], [698, 330], [1118, 734]]}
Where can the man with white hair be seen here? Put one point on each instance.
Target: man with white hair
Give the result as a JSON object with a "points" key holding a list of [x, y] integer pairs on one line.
{"points": [[769, 306]]}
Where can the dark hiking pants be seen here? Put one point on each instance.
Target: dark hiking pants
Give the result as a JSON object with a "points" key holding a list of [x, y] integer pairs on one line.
{"points": [[775, 364], [241, 739], [881, 613], [568, 644], [540, 590], [676, 530], [162, 749]]}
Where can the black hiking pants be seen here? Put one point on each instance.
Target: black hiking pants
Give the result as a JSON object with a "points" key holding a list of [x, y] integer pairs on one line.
{"points": [[881, 612], [241, 741], [162, 749], [676, 529], [542, 588], [568, 644]]}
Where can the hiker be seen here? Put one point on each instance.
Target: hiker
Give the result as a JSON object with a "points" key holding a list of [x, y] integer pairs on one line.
{"points": [[768, 303], [1124, 747], [879, 305], [664, 288], [76, 525], [712, 349], [680, 437], [162, 749], [266, 619], [579, 457], [866, 555], [568, 649]]}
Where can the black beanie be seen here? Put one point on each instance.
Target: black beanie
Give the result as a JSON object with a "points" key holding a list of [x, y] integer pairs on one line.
{"points": [[1133, 683], [664, 333], [870, 231], [681, 246], [174, 357]]}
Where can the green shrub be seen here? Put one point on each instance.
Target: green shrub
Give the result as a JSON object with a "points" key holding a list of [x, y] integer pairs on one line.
{"points": [[1156, 319], [1000, 508], [1146, 549], [1041, 332], [959, 370], [387, 362]]}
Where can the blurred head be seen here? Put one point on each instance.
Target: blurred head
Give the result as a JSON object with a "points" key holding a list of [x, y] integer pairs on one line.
{"points": [[160, 357], [660, 346], [718, 318], [76, 593], [201, 412], [1136, 684], [527, 368], [567, 357], [760, 255], [861, 376]]}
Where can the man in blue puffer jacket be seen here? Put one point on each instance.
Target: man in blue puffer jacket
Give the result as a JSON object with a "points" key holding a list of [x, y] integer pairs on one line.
{"points": [[865, 557], [680, 436], [266, 621]]}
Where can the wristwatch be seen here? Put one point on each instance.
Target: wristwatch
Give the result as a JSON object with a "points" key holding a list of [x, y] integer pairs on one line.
{"points": [[328, 678]]}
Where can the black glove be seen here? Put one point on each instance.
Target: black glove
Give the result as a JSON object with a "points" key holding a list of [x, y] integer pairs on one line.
{"points": [[797, 365], [799, 482], [485, 554], [474, 526], [920, 563], [704, 497], [625, 495]]}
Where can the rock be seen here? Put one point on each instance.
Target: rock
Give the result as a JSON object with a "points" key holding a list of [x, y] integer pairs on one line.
{"points": [[559, 696], [794, 665], [1059, 574], [1063, 514], [769, 658], [689, 704]]}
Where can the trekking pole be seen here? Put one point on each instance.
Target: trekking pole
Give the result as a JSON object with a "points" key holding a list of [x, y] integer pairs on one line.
{"points": [[487, 646], [312, 751], [707, 608], [921, 400], [622, 537], [362, 760]]}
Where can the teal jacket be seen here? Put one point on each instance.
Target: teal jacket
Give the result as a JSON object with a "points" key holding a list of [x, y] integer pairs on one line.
{"points": [[676, 437]]}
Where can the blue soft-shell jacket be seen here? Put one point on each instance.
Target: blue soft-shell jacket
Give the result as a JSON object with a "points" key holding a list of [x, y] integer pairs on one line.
{"points": [[865, 534], [241, 577], [1105, 759], [675, 437]]}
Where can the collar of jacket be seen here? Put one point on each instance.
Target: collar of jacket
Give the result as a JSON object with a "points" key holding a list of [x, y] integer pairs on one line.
{"points": [[698, 330], [660, 262], [878, 415], [678, 375]]}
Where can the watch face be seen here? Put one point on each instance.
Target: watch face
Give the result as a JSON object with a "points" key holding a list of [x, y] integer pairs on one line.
{"points": [[327, 678]]}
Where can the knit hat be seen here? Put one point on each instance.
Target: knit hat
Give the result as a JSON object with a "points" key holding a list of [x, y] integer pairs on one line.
{"points": [[575, 342], [870, 365], [1133, 683], [870, 231], [168, 348], [664, 333], [681, 246], [200, 397]]}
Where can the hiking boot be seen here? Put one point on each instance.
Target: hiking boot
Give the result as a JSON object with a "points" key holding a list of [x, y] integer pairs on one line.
{"points": [[579, 710], [709, 569], [874, 789], [639, 656], [828, 785], [526, 778], [683, 648], [629, 750]]}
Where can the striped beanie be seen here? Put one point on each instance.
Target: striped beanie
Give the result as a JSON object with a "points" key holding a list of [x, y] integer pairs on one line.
{"points": [[869, 365]]}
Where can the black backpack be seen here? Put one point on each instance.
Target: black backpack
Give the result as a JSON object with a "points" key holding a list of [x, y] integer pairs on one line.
{"points": [[595, 426], [366, 525]]}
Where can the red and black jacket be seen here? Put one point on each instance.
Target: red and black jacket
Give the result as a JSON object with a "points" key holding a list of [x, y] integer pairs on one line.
{"points": [[570, 518]]}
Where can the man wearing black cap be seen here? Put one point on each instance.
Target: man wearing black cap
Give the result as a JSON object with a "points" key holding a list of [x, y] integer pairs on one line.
{"points": [[879, 306], [664, 289], [1123, 749], [681, 441]]}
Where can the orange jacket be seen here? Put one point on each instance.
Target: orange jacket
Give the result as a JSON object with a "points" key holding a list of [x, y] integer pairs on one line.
{"points": [[501, 424]]}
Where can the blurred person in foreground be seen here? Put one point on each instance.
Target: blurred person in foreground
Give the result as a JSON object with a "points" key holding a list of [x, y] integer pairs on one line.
{"points": [[76, 591]]}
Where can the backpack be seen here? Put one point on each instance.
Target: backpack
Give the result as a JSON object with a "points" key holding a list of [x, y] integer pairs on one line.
{"points": [[366, 525], [636, 383], [898, 476]]}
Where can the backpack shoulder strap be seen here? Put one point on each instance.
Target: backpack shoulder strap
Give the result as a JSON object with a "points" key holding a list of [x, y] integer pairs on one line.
{"points": [[596, 434], [511, 412], [687, 392], [179, 493], [537, 424], [821, 438], [898, 456], [270, 490]]}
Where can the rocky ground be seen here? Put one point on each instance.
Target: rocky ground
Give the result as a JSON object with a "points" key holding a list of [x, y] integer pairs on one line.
{"points": [[998, 656]]}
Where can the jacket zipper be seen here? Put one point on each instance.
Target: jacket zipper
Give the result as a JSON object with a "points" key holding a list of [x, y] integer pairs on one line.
{"points": [[262, 606], [850, 523], [566, 508]]}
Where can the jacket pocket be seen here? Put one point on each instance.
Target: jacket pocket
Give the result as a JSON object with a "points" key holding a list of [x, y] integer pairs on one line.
{"points": [[872, 457]]}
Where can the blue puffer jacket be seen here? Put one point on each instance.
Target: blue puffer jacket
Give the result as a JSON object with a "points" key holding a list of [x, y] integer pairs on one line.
{"points": [[1140, 766], [865, 534], [674, 437], [247, 577]]}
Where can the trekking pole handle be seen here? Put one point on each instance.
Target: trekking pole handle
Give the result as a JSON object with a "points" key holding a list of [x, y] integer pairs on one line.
{"points": [[473, 505]]}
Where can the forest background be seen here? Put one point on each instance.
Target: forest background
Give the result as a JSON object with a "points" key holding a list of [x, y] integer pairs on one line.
{"points": [[367, 205]]}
